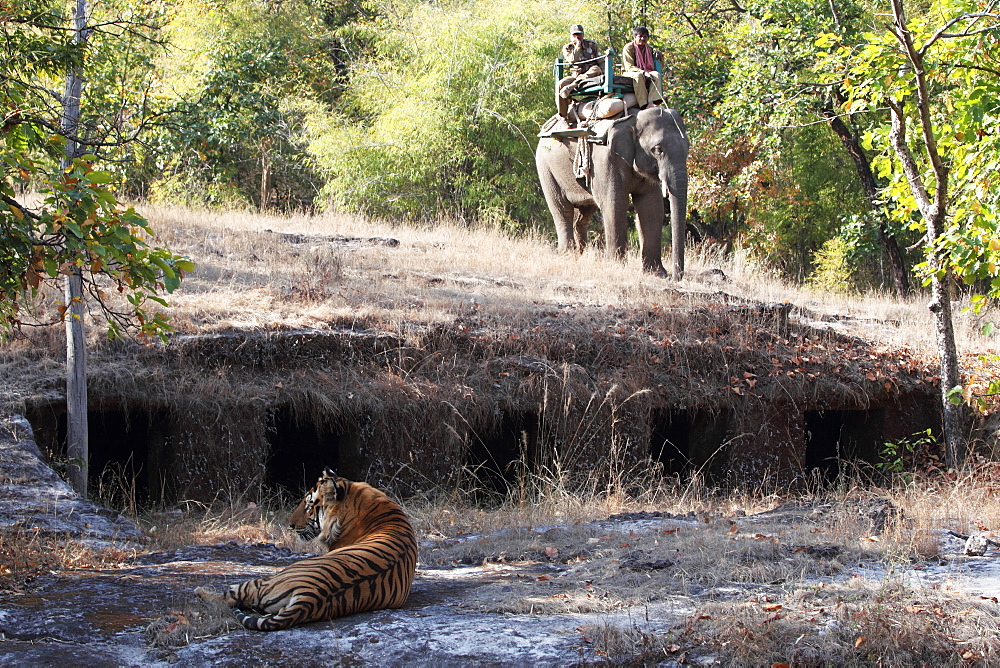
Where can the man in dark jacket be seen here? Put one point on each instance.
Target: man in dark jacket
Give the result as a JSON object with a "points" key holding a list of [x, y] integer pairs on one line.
{"points": [[581, 56]]}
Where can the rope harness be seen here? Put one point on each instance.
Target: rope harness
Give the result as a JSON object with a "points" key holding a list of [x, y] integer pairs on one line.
{"points": [[583, 158], [583, 165]]}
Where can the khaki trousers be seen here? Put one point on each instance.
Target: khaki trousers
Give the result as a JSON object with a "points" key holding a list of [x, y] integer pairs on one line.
{"points": [[646, 86], [562, 103]]}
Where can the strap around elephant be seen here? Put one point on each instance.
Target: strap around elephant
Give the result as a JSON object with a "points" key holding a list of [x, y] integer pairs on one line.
{"points": [[582, 161]]}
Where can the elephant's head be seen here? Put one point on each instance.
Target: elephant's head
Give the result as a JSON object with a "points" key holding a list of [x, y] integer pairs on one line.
{"points": [[662, 147], [661, 153]]}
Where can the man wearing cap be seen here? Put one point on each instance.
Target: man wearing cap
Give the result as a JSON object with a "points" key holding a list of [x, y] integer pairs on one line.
{"points": [[576, 55]]}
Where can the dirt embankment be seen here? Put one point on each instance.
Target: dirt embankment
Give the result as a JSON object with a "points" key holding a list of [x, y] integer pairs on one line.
{"points": [[408, 363]]}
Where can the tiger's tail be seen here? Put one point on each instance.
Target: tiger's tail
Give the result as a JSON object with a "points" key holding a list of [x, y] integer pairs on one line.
{"points": [[276, 622]]}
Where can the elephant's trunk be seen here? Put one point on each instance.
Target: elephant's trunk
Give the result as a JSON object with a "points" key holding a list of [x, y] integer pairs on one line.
{"points": [[674, 180]]}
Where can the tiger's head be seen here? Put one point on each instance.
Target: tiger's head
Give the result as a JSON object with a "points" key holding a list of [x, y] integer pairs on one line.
{"points": [[321, 512]]}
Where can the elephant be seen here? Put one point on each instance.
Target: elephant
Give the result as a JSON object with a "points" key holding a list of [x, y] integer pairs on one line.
{"points": [[645, 157]]}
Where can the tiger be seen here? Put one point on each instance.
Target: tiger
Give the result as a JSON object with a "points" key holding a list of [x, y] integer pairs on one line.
{"points": [[370, 564]]}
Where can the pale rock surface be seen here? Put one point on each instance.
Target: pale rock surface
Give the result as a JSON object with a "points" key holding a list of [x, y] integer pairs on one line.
{"points": [[34, 498]]}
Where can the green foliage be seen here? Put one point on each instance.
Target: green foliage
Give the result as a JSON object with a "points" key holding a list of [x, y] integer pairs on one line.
{"points": [[866, 253], [775, 75], [898, 456], [440, 117], [772, 179], [963, 104], [240, 72], [415, 110], [800, 195], [831, 272], [80, 226], [696, 71], [986, 402]]}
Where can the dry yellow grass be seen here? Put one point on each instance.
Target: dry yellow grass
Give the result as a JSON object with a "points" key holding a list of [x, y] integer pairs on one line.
{"points": [[759, 590], [434, 275], [249, 276], [252, 276]]}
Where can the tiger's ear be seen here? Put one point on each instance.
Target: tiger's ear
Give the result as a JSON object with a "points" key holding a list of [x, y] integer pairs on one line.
{"points": [[328, 473]]}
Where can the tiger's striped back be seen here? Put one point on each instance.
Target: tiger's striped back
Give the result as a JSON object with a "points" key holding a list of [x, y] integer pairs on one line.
{"points": [[370, 565]]}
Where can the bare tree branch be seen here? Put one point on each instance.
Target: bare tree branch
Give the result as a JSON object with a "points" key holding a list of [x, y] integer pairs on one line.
{"points": [[979, 68], [834, 12], [17, 205], [916, 61], [942, 31]]}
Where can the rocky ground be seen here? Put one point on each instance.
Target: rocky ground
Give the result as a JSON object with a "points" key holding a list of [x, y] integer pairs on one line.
{"points": [[36, 500], [625, 589]]}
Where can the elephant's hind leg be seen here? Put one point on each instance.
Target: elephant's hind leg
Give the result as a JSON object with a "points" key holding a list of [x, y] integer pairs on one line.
{"points": [[581, 225], [563, 212]]}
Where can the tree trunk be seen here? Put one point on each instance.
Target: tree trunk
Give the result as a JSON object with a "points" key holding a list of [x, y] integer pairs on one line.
{"points": [[77, 441], [265, 180], [77, 445], [954, 418], [850, 141], [934, 211]]}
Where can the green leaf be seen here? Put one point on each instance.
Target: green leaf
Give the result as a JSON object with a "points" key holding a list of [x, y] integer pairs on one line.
{"points": [[99, 177]]}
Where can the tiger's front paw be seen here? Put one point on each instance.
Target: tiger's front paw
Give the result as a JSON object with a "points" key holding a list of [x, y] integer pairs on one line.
{"points": [[210, 596]]}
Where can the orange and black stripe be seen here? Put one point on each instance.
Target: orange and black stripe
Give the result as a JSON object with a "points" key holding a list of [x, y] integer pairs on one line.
{"points": [[370, 565]]}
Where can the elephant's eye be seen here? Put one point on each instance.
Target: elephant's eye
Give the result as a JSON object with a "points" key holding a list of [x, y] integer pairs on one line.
{"points": [[656, 150]]}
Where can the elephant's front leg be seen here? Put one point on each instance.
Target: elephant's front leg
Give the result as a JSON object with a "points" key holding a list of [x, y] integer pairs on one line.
{"points": [[613, 202], [649, 222]]}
